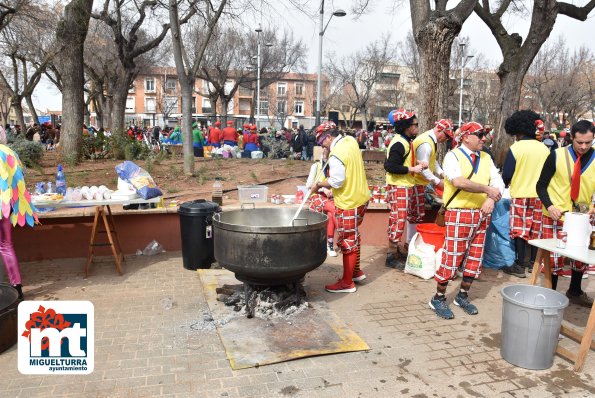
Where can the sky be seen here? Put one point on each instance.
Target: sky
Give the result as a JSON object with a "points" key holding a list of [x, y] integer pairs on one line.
{"points": [[348, 34]]}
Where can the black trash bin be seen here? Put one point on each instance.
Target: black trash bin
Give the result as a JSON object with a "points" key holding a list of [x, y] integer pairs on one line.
{"points": [[196, 227], [9, 302]]}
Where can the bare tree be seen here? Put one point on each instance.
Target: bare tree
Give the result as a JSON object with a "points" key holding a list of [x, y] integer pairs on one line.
{"points": [[360, 72], [518, 54], [71, 33]]}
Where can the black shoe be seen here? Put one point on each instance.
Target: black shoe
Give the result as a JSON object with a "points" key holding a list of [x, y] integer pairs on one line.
{"points": [[515, 270], [395, 261], [580, 299]]}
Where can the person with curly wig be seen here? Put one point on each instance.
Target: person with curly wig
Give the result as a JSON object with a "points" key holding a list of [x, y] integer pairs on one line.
{"points": [[348, 183], [406, 203], [525, 156]]}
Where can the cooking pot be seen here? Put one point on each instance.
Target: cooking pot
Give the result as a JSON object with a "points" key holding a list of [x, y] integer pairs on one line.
{"points": [[261, 249], [9, 302]]}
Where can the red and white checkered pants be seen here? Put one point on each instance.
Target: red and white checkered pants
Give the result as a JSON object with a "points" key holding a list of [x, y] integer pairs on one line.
{"points": [[525, 218], [321, 203], [348, 222], [463, 245], [406, 204], [550, 230]]}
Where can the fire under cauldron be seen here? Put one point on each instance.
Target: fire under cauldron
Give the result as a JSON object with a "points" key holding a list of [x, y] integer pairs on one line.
{"points": [[260, 247]]}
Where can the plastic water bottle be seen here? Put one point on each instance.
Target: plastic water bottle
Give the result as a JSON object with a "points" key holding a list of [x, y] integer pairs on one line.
{"points": [[60, 181], [217, 195]]}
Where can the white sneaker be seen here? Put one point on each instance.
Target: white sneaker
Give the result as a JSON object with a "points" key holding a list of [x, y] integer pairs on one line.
{"points": [[330, 250]]}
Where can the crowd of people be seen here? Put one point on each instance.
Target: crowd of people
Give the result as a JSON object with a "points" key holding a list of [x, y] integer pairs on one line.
{"points": [[543, 181]]}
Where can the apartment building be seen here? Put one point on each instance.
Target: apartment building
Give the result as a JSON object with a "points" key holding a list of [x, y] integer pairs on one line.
{"points": [[155, 99]]}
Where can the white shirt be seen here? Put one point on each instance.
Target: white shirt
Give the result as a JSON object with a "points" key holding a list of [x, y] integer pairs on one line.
{"points": [[452, 168], [336, 168], [423, 154]]}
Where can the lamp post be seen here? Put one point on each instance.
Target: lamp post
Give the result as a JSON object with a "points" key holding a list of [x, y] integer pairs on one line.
{"points": [[464, 59], [258, 31], [337, 13]]}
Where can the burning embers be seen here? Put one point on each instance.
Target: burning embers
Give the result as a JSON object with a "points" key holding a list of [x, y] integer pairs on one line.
{"points": [[266, 302]]}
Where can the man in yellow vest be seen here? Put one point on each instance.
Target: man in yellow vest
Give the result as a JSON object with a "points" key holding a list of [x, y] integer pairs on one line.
{"points": [[525, 156], [471, 187], [405, 200], [568, 179], [425, 146], [347, 180]]}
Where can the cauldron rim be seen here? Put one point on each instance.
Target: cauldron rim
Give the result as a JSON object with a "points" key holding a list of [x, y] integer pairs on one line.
{"points": [[218, 223]]}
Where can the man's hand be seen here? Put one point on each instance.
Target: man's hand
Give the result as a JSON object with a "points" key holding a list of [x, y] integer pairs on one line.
{"points": [[493, 193], [416, 169], [488, 207], [555, 213]]}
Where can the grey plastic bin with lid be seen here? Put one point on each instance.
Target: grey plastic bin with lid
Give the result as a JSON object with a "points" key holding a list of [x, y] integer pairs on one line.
{"points": [[196, 229], [531, 319]]}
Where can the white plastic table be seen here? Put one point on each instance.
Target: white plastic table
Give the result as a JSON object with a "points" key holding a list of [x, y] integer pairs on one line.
{"points": [[585, 339], [103, 212]]}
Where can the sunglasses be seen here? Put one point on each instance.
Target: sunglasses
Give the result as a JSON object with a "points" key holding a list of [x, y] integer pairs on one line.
{"points": [[481, 135]]}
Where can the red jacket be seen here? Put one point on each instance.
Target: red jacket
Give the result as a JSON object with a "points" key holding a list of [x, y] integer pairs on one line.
{"points": [[214, 136], [253, 138], [229, 134]]}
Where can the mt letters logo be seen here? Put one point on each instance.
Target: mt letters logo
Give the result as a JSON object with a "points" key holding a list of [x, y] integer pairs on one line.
{"points": [[56, 337]]}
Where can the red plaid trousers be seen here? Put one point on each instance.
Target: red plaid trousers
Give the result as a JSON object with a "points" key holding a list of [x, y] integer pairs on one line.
{"points": [[348, 222], [321, 203], [406, 204], [463, 245], [550, 230], [525, 218]]}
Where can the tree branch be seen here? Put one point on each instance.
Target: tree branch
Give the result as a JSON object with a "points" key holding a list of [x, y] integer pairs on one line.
{"points": [[572, 11]]}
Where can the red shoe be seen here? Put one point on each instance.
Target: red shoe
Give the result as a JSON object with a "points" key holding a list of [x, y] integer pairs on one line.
{"points": [[341, 287], [359, 276], [590, 270]]}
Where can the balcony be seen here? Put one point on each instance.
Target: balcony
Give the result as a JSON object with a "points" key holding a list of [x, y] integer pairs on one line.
{"points": [[205, 110]]}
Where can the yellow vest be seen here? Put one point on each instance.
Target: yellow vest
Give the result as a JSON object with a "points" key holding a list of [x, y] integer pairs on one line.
{"points": [[559, 188], [464, 199], [425, 139], [354, 191], [401, 180], [530, 155]]}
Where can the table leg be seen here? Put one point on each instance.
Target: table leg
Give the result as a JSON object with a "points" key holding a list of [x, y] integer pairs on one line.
{"points": [[112, 227], [92, 241], [536, 267], [115, 250], [547, 269], [586, 341]]}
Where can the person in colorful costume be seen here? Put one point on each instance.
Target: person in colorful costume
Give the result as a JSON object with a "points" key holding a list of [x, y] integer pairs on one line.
{"points": [[559, 193], [251, 144], [322, 201], [525, 156], [229, 135], [474, 184], [197, 141], [425, 146], [17, 209], [176, 136], [215, 135], [348, 183], [405, 200]]}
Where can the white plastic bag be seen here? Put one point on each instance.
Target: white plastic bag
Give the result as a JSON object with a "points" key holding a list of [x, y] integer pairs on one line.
{"points": [[421, 260]]}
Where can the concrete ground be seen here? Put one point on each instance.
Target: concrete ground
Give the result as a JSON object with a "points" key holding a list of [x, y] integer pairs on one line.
{"points": [[147, 342]]}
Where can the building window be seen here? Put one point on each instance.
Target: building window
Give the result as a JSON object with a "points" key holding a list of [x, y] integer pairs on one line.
{"points": [[282, 88], [149, 85], [245, 91], [345, 108], [264, 107], [130, 104], [299, 89], [131, 89], [298, 108], [150, 105], [282, 106], [206, 106], [170, 83], [171, 104]]}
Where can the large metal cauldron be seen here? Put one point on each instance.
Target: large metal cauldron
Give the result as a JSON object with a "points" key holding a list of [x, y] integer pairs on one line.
{"points": [[261, 249]]}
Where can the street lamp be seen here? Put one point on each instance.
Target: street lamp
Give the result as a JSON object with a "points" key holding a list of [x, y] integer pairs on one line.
{"points": [[337, 13], [258, 31], [464, 59]]}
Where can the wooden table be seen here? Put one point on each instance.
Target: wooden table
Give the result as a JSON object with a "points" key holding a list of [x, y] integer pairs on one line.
{"points": [[103, 223], [585, 339]]}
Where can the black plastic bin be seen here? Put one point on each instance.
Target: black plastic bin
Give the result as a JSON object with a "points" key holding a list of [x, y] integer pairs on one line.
{"points": [[9, 302], [196, 227]]}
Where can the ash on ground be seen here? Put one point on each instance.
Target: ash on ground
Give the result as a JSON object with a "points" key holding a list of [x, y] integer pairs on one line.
{"points": [[265, 302]]}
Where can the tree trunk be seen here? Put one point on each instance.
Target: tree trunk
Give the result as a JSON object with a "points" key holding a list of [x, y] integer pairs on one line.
{"points": [[71, 34], [119, 110], [32, 109], [364, 119], [434, 43], [18, 111], [186, 88]]}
